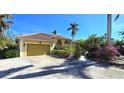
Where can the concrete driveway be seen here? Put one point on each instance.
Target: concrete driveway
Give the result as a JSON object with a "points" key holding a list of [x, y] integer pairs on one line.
{"points": [[47, 67]]}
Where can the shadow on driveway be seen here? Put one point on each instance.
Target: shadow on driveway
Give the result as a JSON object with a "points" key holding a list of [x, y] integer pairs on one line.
{"points": [[13, 70], [77, 69], [70, 67]]}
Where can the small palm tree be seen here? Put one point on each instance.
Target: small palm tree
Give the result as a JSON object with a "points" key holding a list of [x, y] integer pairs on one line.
{"points": [[54, 32], [4, 23], [74, 28]]}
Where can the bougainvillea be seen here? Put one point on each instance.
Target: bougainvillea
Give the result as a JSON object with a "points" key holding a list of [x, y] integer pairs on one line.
{"points": [[105, 53]]}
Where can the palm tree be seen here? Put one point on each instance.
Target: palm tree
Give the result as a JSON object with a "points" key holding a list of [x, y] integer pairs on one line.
{"points": [[74, 28], [54, 32], [109, 27], [4, 23]]}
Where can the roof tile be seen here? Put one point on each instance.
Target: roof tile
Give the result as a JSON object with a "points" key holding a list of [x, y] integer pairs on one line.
{"points": [[42, 35]]}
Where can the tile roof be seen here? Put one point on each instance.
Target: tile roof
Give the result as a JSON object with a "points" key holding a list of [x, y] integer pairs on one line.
{"points": [[41, 35]]}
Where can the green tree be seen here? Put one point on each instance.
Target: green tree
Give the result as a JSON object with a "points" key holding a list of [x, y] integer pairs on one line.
{"points": [[6, 42], [92, 43], [74, 28], [81, 42], [4, 23]]}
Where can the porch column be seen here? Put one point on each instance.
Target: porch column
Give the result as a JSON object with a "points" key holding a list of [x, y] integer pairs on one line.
{"points": [[21, 48], [53, 45], [63, 42]]}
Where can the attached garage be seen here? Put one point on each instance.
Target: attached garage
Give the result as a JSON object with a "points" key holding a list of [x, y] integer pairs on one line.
{"points": [[37, 49], [38, 44]]}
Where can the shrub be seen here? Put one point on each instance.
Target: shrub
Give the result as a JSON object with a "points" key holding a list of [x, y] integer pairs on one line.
{"points": [[120, 46], [60, 53], [2, 54], [70, 50], [104, 53], [121, 50], [58, 47], [11, 53], [92, 43], [78, 52], [65, 47]]}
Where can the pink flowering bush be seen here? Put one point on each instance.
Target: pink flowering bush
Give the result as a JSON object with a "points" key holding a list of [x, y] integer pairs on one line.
{"points": [[105, 53]]}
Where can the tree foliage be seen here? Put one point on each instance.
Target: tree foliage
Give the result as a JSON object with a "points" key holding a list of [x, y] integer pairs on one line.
{"points": [[4, 23], [92, 42], [6, 42]]}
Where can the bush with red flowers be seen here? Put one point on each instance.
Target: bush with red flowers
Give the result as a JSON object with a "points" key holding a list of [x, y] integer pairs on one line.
{"points": [[104, 53]]}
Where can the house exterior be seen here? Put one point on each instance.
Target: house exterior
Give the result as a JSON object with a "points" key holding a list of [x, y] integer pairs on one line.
{"points": [[40, 43]]}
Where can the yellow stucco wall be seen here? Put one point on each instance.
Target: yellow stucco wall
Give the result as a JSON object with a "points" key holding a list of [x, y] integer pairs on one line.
{"points": [[23, 45]]}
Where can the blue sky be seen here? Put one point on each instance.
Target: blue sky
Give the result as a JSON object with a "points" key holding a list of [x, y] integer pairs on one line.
{"points": [[88, 24]]}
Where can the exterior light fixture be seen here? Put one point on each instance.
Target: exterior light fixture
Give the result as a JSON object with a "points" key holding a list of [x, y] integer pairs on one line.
{"points": [[40, 42]]}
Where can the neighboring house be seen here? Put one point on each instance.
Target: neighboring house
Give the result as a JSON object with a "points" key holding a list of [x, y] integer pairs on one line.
{"points": [[40, 43]]}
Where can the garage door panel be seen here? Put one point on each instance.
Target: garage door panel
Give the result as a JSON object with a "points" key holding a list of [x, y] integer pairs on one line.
{"points": [[37, 49]]}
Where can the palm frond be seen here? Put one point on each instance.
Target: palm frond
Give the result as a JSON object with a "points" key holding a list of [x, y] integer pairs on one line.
{"points": [[76, 29], [121, 33], [69, 28], [54, 32], [71, 24], [75, 24], [116, 17]]}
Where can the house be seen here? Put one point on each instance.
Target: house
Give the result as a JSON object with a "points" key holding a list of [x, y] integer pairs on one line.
{"points": [[40, 43]]}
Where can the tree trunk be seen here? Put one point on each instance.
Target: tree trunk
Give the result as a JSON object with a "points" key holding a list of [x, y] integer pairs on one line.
{"points": [[109, 29], [71, 54], [72, 41]]}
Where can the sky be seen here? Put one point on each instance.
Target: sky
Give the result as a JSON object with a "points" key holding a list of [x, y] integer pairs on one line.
{"points": [[88, 24]]}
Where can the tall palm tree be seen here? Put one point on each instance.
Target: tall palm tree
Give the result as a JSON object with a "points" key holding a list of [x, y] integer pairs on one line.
{"points": [[109, 27], [54, 32], [4, 23], [74, 28]]}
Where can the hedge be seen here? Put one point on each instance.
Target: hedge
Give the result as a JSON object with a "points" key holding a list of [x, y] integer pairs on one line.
{"points": [[60, 53], [9, 53]]}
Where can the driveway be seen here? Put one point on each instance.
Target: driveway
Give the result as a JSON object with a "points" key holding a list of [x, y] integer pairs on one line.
{"points": [[47, 67]]}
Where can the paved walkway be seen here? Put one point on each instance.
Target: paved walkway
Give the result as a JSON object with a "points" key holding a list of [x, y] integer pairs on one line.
{"points": [[46, 67]]}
